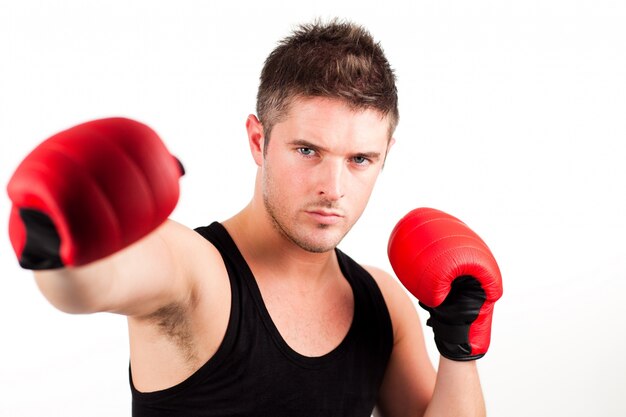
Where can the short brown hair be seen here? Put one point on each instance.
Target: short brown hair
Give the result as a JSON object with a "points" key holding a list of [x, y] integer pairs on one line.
{"points": [[335, 60]]}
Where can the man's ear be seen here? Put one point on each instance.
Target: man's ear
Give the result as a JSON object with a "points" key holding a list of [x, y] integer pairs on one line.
{"points": [[256, 138]]}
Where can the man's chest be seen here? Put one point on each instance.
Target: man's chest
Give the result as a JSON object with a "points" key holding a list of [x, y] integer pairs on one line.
{"points": [[311, 323]]}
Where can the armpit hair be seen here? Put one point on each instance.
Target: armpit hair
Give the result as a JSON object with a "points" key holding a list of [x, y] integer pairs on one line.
{"points": [[173, 321]]}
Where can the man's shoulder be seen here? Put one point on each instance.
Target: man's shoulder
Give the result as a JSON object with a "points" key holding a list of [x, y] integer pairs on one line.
{"points": [[399, 303], [196, 254], [388, 285]]}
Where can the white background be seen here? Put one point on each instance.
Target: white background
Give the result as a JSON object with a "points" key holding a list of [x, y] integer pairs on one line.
{"points": [[513, 118]]}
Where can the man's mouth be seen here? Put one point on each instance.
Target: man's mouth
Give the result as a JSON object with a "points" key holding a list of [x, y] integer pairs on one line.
{"points": [[325, 216]]}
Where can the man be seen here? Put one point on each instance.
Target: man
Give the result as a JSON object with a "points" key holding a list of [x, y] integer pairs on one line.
{"points": [[260, 314]]}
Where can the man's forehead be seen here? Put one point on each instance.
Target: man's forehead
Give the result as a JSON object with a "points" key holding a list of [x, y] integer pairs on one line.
{"points": [[336, 114]]}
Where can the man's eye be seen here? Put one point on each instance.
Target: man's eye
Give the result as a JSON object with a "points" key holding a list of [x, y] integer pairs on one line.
{"points": [[306, 151], [360, 160]]}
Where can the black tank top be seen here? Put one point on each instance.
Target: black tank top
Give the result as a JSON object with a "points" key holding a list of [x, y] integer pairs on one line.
{"points": [[255, 373]]}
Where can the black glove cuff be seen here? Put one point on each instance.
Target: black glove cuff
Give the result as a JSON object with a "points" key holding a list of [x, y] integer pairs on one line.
{"points": [[41, 250], [453, 341]]}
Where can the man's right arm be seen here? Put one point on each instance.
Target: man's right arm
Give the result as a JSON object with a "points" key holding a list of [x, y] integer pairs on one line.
{"points": [[89, 215], [138, 280]]}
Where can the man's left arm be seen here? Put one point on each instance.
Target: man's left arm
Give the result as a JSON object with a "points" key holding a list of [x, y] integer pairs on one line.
{"points": [[457, 390], [409, 380], [411, 386], [455, 277]]}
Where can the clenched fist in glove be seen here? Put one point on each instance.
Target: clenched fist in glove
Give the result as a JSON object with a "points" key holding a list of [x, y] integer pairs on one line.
{"points": [[90, 191], [453, 274]]}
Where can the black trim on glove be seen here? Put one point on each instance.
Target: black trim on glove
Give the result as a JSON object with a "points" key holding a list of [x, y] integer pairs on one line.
{"points": [[41, 250], [451, 320]]}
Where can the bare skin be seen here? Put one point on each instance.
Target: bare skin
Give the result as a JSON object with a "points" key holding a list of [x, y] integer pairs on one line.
{"points": [[313, 183]]}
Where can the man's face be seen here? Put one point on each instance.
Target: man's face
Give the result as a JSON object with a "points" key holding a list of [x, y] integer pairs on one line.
{"points": [[319, 170]]}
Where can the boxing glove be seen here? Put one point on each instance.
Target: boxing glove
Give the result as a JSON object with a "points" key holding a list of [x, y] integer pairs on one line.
{"points": [[90, 191], [453, 274]]}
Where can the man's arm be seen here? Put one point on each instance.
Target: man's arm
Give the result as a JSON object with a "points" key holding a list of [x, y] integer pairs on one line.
{"points": [[89, 216], [453, 274], [138, 280], [411, 387], [457, 390], [409, 380]]}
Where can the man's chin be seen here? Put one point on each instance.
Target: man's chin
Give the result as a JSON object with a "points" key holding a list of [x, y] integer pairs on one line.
{"points": [[311, 236], [320, 245]]}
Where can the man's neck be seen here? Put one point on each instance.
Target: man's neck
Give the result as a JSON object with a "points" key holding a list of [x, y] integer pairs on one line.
{"points": [[272, 255]]}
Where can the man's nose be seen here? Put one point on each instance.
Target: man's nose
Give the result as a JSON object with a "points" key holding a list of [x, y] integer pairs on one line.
{"points": [[332, 177]]}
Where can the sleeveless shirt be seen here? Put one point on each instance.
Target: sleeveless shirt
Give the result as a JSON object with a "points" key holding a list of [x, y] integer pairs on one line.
{"points": [[255, 373]]}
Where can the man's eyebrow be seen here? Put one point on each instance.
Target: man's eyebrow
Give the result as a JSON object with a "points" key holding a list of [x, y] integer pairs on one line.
{"points": [[369, 155], [306, 144]]}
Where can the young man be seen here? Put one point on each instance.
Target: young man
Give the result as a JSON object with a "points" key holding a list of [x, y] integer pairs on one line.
{"points": [[260, 315]]}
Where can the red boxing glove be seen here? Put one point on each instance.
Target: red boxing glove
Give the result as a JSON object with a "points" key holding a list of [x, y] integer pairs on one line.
{"points": [[90, 191], [453, 274]]}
